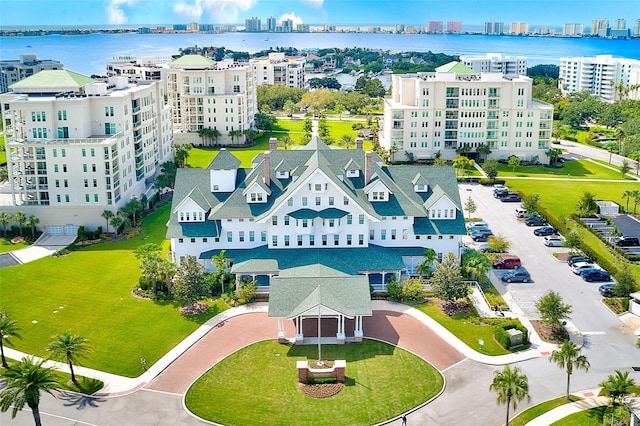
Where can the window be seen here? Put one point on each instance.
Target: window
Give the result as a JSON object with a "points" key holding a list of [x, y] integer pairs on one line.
{"points": [[274, 220], [318, 201], [331, 201], [290, 202], [393, 234], [312, 240], [84, 152], [241, 236], [108, 111], [349, 219], [383, 234], [304, 201], [62, 114], [372, 234], [286, 220], [252, 236], [229, 236], [66, 183], [263, 236], [286, 241], [361, 219], [336, 239], [349, 238], [299, 240], [345, 201], [324, 240], [109, 128], [274, 240], [86, 198], [256, 196], [360, 239]]}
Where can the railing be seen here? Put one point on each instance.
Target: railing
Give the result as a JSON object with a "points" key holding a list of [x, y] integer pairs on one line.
{"points": [[68, 141]]}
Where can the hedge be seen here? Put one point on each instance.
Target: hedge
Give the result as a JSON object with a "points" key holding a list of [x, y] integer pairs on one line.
{"points": [[503, 337]]}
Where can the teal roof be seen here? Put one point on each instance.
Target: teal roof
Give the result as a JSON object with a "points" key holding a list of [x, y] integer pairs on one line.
{"points": [[455, 67], [56, 80], [224, 160], [193, 60]]}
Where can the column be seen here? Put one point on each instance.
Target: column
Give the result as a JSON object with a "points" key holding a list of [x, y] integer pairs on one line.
{"points": [[282, 334], [357, 333], [340, 335], [299, 334]]}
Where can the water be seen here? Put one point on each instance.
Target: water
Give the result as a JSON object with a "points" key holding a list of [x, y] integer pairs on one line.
{"points": [[87, 54]]}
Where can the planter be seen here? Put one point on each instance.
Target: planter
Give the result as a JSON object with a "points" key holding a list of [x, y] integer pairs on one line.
{"points": [[337, 371]]}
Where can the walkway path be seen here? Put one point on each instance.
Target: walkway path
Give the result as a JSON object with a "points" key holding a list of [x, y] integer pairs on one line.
{"points": [[590, 401]]}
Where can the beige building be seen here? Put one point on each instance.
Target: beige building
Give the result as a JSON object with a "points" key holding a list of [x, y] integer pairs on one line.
{"points": [[496, 62], [280, 70], [437, 113]]}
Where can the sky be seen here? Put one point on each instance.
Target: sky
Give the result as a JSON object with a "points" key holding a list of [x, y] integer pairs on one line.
{"points": [[314, 12]]}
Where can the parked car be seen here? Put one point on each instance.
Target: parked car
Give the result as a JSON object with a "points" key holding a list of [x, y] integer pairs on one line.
{"points": [[607, 290], [477, 225], [595, 275], [536, 221], [507, 262], [576, 268], [520, 275], [497, 193], [578, 258], [627, 240], [476, 231], [520, 213], [511, 198], [499, 187], [545, 230], [484, 248], [553, 241], [480, 237]]}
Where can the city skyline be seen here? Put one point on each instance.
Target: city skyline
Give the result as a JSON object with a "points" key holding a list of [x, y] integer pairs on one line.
{"points": [[312, 12]]}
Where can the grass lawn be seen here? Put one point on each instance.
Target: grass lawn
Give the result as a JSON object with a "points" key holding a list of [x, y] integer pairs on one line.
{"points": [[575, 169], [382, 382], [464, 330], [600, 416], [7, 245], [3, 153], [88, 292], [538, 410]]}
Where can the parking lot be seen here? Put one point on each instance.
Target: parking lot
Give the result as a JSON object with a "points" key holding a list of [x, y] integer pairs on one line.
{"points": [[627, 226]]}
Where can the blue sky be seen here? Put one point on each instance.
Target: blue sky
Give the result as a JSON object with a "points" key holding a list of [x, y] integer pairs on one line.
{"points": [[339, 12]]}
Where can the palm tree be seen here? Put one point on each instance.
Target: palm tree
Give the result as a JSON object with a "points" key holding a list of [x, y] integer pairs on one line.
{"points": [[346, 140], [628, 194], [21, 218], [8, 329], [636, 200], [430, 256], [285, 141], [5, 218], [134, 206], [234, 134], [476, 266], [511, 387], [568, 357], [116, 222], [32, 221], [182, 154], [107, 215], [618, 386], [25, 381], [222, 266], [215, 134], [69, 347]]}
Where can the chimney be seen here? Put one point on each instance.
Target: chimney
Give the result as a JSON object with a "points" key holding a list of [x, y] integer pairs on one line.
{"points": [[359, 143], [368, 164], [267, 167], [273, 144]]}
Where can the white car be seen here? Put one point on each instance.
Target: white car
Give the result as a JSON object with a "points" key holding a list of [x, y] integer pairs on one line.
{"points": [[553, 241], [578, 267], [477, 225]]}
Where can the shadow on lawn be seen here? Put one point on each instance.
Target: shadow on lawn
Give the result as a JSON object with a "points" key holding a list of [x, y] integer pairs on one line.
{"points": [[350, 352]]}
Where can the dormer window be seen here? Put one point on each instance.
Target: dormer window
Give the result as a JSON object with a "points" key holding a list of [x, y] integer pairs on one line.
{"points": [[256, 197], [283, 174], [378, 196], [353, 173], [421, 188]]}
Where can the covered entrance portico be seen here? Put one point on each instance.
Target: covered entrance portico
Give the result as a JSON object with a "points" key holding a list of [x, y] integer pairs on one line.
{"points": [[322, 303]]}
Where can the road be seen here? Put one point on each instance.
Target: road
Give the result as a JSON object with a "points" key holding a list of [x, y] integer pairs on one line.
{"points": [[587, 151]]}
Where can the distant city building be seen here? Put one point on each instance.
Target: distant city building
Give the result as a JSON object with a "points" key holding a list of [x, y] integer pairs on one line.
{"points": [[287, 26], [602, 75], [494, 28], [496, 62], [208, 94], [518, 28], [77, 146], [636, 28], [454, 27], [573, 29], [14, 70], [144, 30], [280, 70], [435, 26], [138, 68], [303, 28], [437, 113], [400, 28], [193, 27], [206, 28], [252, 25], [599, 24], [272, 23], [180, 27], [620, 24]]}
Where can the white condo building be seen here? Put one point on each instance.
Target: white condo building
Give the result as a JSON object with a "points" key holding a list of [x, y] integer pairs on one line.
{"points": [[280, 70], [77, 146], [12, 71], [209, 94], [496, 62], [436, 113], [601, 75], [138, 68]]}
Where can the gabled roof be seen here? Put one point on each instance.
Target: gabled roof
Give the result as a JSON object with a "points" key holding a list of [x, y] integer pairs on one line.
{"points": [[224, 160], [436, 195], [259, 183], [193, 60], [197, 197], [455, 67], [419, 180], [314, 144], [56, 80], [283, 166], [352, 164]]}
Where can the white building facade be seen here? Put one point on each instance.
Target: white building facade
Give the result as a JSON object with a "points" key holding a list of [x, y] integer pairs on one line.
{"points": [[603, 75], [496, 62], [436, 114], [211, 95], [280, 70], [77, 146]]}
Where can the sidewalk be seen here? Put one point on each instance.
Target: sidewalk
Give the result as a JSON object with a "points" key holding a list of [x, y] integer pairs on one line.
{"points": [[591, 400]]}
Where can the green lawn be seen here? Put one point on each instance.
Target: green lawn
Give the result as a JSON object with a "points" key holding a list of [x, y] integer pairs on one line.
{"points": [[3, 154], [88, 292], [575, 169], [538, 410], [7, 245], [600, 416], [383, 381]]}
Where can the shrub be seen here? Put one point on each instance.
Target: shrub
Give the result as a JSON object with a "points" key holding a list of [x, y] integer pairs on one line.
{"points": [[394, 290], [412, 290], [61, 252], [489, 182], [502, 336]]}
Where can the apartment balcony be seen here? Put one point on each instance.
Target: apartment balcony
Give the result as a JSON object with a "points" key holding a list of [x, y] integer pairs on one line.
{"points": [[545, 126], [453, 92], [135, 109], [451, 115], [494, 95], [137, 138], [138, 151], [492, 115], [137, 124], [492, 125], [116, 168], [108, 139], [543, 145], [452, 104], [450, 145]]}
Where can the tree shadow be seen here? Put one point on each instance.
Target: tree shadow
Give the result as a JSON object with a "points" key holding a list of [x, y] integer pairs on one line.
{"points": [[80, 401], [350, 352]]}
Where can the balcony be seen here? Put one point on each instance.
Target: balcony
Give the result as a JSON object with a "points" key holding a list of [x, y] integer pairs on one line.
{"points": [[452, 104], [115, 168], [137, 138], [137, 124], [450, 145], [135, 109]]}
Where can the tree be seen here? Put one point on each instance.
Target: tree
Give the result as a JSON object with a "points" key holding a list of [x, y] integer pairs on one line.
{"points": [[618, 386], [134, 206], [116, 222], [189, 282], [470, 206], [553, 154], [461, 163], [222, 268], [69, 347], [5, 218], [21, 218], [484, 150], [25, 380], [573, 240], [182, 154], [290, 108], [8, 329], [490, 167], [624, 169], [374, 88], [346, 141], [32, 222], [155, 269], [587, 205], [530, 203], [447, 282], [498, 244], [439, 161], [235, 134], [551, 307], [424, 268], [569, 358], [474, 263], [514, 162], [285, 141], [628, 194], [625, 282], [511, 387], [265, 122]]}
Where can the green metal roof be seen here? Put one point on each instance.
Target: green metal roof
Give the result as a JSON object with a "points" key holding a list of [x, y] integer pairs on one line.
{"points": [[193, 60], [455, 67], [58, 80]]}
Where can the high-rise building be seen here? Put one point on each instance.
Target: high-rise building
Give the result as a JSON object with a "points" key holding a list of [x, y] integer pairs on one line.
{"points": [[519, 28], [636, 28], [620, 24], [435, 26], [272, 23], [619, 29], [599, 24], [287, 25], [252, 25], [496, 62], [573, 29], [454, 27], [281, 70], [12, 71], [193, 27], [138, 68], [209, 94], [436, 113], [78, 146], [601, 75], [399, 28], [494, 28]]}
